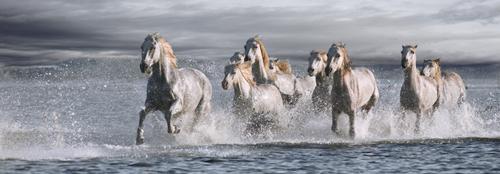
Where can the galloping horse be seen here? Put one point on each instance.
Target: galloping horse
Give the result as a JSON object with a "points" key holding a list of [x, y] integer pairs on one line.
{"points": [[256, 53], [419, 94], [258, 101], [451, 85], [280, 73], [173, 91], [321, 95], [352, 89]]}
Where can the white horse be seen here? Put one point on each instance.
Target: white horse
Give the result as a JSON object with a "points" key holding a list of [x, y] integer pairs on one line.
{"points": [[280, 73], [321, 96], [256, 53], [419, 94], [352, 89], [451, 85], [302, 86], [260, 102], [175, 92]]}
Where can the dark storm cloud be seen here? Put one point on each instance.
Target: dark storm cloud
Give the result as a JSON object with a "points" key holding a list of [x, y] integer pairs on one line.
{"points": [[483, 11], [48, 30]]}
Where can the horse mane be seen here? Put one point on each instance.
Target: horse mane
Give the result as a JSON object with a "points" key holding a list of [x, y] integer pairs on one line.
{"points": [[283, 66], [263, 50], [246, 71], [437, 64], [347, 60], [166, 48]]}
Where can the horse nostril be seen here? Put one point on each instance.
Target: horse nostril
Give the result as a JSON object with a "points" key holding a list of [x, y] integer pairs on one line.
{"points": [[224, 84], [328, 70], [310, 70]]}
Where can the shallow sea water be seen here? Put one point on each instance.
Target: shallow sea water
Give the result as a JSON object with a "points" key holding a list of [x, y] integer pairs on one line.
{"points": [[81, 116]]}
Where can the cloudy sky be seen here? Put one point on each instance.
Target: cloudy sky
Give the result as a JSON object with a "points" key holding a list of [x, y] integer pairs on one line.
{"points": [[33, 31]]}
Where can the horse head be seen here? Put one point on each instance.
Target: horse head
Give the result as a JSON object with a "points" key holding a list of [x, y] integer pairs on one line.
{"points": [[234, 73], [154, 50], [237, 58], [256, 51], [317, 62], [431, 68], [408, 56], [337, 58], [281, 66]]}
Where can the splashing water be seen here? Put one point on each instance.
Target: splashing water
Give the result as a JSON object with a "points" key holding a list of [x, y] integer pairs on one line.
{"points": [[88, 108]]}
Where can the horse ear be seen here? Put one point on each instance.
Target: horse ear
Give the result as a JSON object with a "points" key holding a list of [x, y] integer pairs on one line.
{"points": [[438, 60], [416, 46]]}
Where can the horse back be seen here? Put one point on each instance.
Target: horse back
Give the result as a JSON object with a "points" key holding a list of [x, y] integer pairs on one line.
{"points": [[453, 78], [195, 84], [454, 88]]}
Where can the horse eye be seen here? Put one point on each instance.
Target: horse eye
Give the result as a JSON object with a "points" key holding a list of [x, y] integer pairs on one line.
{"points": [[337, 55], [413, 52]]}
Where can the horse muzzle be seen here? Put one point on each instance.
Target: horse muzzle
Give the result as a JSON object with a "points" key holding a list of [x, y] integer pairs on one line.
{"points": [[225, 85], [310, 71], [403, 65], [328, 70], [142, 66]]}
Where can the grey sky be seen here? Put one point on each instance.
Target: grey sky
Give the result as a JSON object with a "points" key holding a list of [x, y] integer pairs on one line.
{"points": [[36, 31]]}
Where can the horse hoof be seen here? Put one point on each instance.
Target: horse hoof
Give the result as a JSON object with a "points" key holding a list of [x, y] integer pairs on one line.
{"points": [[139, 141], [176, 130]]}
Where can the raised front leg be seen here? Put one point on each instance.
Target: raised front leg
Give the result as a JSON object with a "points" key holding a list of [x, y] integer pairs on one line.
{"points": [[335, 116], [351, 115], [140, 131]]}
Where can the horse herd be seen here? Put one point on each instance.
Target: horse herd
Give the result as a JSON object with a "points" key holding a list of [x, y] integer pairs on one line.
{"points": [[263, 88]]}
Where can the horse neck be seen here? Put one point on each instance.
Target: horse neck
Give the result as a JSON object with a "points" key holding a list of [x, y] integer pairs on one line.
{"points": [[412, 74], [321, 77], [168, 70], [339, 75], [260, 71], [242, 89]]}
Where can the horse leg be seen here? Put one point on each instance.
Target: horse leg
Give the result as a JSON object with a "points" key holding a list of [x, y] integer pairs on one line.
{"points": [[351, 114], [140, 131], [335, 115], [175, 108], [417, 122], [171, 129], [368, 106], [202, 110]]}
